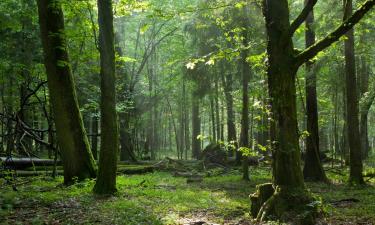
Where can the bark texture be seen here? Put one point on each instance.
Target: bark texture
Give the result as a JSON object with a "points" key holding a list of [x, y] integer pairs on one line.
{"points": [[244, 136], [313, 169], [74, 146], [106, 182], [356, 167]]}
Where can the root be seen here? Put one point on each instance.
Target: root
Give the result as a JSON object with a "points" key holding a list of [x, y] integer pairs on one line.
{"points": [[285, 204]]}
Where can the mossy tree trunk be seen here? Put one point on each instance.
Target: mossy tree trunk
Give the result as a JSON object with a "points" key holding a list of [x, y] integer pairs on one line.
{"points": [[313, 169], [109, 146], [291, 200], [352, 110], [244, 136], [74, 146]]}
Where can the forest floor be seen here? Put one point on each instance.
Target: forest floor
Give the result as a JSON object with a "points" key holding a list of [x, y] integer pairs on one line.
{"points": [[161, 198]]}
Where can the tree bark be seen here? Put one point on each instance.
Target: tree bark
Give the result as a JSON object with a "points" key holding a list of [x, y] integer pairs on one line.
{"points": [[231, 127], [196, 127], [364, 77], [126, 140], [244, 136], [94, 135], [356, 167], [313, 169], [106, 182], [74, 147]]}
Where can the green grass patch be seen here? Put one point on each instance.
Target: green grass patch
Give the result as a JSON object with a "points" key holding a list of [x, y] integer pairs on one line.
{"points": [[160, 198]]}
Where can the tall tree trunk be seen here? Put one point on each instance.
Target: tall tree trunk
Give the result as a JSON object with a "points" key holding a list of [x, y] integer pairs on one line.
{"points": [[344, 137], [196, 127], [109, 145], [218, 126], [213, 120], [186, 120], [335, 119], [231, 127], [356, 167], [245, 72], [313, 169], [94, 135], [281, 71], [74, 146], [9, 122], [283, 62], [244, 136], [126, 140], [364, 77]]}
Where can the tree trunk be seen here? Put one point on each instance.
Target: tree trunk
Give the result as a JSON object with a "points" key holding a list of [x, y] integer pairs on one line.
{"points": [[9, 122], [186, 120], [231, 127], [244, 136], [196, 127], [290, 194], [364, 77], [126, 140], [213, 121], [219, 133], [313, 169], [94, 135], [74, 147], [356, 167], [106, 182]]}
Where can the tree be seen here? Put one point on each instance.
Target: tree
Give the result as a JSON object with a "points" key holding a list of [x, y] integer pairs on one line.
{"points": [[313, 169], [366, 102], [290, 193], [74, 147], [244, 136], [106, 181], [196, 126], [352, 120]]}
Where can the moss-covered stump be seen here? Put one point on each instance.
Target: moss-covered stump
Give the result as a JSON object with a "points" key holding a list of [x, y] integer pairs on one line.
{"points": [[263, 193], [295, 205]]}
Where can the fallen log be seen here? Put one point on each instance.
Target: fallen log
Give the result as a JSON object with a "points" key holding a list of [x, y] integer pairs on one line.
{"points": [[23, 163], [130, 170], [194, 179], [27, 173]]}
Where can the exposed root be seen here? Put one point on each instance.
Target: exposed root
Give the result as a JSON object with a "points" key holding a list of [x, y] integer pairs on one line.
{"points": [[295, 205]]}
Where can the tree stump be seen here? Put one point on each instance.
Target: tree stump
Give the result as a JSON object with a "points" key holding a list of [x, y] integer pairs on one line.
{"points": [[262, 194]]}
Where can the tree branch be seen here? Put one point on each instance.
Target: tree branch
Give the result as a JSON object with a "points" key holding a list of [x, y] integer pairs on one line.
{"points": [[319, 46], [302, 16]]}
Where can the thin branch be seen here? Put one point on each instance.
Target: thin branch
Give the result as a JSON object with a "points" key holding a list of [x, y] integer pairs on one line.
{"points": [[33, 92], [149, 53], [319, 46]]}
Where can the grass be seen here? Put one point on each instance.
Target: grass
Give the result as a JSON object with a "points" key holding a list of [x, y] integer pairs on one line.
{"points": [[159, 198]]}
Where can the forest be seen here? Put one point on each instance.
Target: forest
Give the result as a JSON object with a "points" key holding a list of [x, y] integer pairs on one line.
{"points": [[196, 112]]}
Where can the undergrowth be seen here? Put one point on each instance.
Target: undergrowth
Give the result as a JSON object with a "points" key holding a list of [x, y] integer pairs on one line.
{"points": [[160, 198]]}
